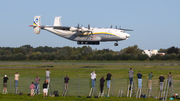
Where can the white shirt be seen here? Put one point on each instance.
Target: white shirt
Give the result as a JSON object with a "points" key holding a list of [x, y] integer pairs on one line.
{"points": [[47, 73], [93, 75]]}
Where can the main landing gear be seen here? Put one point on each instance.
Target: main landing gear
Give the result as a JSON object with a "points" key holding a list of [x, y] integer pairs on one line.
{"points": [[116, 44]]}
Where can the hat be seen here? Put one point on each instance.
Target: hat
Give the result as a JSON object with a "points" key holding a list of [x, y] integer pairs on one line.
{"points": [[5, 75]]}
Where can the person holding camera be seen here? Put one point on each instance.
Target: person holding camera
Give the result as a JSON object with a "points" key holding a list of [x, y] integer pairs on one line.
{"points": [[108, 79]]}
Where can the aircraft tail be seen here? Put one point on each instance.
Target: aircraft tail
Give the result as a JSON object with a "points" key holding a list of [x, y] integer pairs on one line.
{"points": [[37, 24], [57, 21]]}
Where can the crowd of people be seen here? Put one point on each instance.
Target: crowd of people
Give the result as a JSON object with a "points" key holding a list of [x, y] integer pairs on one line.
{"points": [[34, 87]]}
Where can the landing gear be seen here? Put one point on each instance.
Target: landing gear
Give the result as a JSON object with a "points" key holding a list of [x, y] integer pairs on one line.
{"points": [[116, 44], [88, 42]]}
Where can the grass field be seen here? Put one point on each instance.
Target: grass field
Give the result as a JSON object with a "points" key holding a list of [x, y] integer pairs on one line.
{"points": [[28, 70], [11, 97]]}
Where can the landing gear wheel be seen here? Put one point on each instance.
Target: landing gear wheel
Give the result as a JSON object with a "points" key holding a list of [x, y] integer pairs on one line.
{"points": [[115, 44]]}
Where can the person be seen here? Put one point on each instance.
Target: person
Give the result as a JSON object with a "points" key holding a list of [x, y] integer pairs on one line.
{"points": [[102, 84], [16, 79], [45, 90], [48, 75], [131, 76], [139, 75], [32, 89], [150, 80], [66, 79], [108, 79], [161, 82], [36, 84], [170, 79], [93, 78], [5, 84]]}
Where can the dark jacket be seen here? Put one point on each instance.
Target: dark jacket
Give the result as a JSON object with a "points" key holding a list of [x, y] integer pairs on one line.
{"points": [[66, 79], [139, 75], [161, 79], [5, 79], [45, 85], [102, 81], [108, 76]]}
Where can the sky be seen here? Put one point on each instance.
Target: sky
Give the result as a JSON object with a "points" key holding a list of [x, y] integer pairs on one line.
{"points": [[156, 23]]}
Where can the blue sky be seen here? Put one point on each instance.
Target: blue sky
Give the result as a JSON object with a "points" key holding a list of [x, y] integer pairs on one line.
{"points": [[156, 23]]}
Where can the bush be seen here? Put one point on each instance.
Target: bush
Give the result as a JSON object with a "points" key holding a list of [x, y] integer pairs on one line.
{"points": [[158, 57], [32, 57], [153, 57], [143, 57], [18, 56], [108, 56], [165, 57], [73, 57], [99, 57], [39, 56]]}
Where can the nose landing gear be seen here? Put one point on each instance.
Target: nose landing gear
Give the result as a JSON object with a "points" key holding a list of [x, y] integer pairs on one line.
{"points": [[116, 44]]}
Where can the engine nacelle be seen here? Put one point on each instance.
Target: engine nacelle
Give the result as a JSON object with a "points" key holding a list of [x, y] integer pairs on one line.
{"points": [[73, 29]]}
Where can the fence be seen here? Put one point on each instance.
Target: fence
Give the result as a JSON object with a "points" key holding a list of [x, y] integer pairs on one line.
{"points": [[81, 86]]}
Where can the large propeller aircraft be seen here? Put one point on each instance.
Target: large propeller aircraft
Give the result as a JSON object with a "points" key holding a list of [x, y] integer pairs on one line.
{"points": [[83, 35]]}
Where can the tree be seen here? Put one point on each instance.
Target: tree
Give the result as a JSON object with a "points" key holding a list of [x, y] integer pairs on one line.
{"points": [[2, 52], [40, 49], [172, 50], [162, 50], [18, 50], [132, 50]]}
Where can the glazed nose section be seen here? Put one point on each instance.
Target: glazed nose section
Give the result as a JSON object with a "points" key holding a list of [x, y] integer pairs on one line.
{"points": [[127, 35]]}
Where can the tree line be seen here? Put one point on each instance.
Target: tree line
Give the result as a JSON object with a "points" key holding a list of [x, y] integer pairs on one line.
{"points": [[27, 52]]}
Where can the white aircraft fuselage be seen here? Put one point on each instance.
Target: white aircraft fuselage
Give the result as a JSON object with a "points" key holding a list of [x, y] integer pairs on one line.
{"points": [[83, 35]]}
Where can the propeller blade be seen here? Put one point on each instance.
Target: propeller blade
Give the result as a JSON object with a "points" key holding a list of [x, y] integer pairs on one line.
{"points": [[78, 26], [88, 26], [120, 27], [111, 26]]}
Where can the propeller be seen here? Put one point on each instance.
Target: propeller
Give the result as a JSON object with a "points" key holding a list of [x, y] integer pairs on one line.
{"points": [[88, 26], [78, 26], [111, 26]]}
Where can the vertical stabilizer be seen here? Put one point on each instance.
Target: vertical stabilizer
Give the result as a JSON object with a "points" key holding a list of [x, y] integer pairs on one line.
{"points": [[57, 21], [37, 24]]}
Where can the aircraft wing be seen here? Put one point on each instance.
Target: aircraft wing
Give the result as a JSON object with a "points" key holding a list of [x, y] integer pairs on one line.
{"points": [[127, 29]]}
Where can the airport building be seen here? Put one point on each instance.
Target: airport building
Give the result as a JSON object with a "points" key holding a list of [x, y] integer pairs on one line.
{"points": [[152, 52]]}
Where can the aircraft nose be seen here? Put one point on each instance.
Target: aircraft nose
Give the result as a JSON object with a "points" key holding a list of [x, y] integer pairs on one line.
{"points": [[127, 35]]}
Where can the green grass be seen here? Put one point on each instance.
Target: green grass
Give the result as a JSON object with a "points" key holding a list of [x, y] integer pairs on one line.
{"points": [[119, 70], [24, 97]]}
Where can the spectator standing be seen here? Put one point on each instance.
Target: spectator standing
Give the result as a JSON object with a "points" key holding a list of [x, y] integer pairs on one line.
{"points": [[32, 89], [45, 90], [48, 75], [16, 79], [150, 80], [5, 84], [108, 80], [93, 78], [161, 82], [66, 79], [170, 79], [102, 84], [36, 84], [139, 75], [131, 76]]}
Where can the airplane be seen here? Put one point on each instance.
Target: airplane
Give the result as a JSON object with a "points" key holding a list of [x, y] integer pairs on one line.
{"points": [[83, 35]]}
